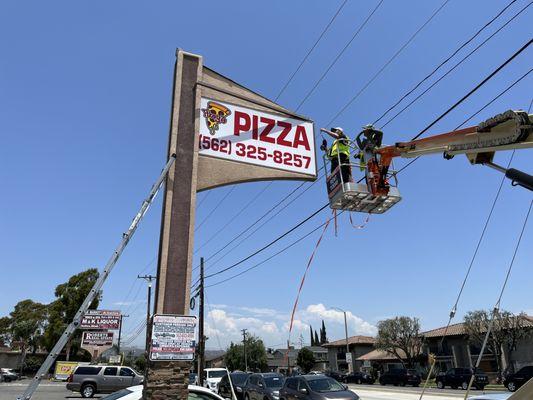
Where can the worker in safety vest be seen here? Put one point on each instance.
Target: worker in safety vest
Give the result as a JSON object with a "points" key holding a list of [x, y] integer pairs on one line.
{"points": [[339, 152], [372, 141]]}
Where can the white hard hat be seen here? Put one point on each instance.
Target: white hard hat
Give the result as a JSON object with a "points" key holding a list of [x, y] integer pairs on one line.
{"points": [[337, 129]]}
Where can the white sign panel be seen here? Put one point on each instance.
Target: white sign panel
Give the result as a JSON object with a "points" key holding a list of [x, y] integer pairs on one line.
{"points": [[173, 338], [249, 136], [349, 358]]}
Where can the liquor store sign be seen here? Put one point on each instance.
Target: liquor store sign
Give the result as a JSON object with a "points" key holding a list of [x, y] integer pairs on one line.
{"points": [[173, 338], [101, 319], [249, 136]]}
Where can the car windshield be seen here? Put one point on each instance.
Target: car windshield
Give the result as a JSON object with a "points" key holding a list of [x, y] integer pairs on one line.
{"points": [[216, 374], [238, 379], [117, 395], [325, 385], [273, 382]]}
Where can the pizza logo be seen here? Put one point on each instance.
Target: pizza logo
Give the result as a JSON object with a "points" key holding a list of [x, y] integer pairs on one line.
{"points": [[215, 114]]}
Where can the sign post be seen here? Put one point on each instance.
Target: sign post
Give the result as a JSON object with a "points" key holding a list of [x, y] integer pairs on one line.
{"points": [[222, 133]]}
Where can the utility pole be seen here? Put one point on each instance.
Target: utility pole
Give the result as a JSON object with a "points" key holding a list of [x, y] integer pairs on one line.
{"points": [[350, 362], [201, 344], [244, 346], [149, 279], [120, 331]]}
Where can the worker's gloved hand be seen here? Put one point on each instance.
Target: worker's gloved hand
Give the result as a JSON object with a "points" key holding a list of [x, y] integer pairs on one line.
{"points": [[324, 146]]}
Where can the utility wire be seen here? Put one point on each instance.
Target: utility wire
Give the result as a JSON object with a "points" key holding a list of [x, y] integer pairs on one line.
{"points": [[216, 207], [270, 257], [311, 49], [496, 308], [479, 85], [263, 224], [445, 61], [213, 321], [204, 198], [454, 67], [310, 92], [252, 201], [398, 52], [269, 244]]}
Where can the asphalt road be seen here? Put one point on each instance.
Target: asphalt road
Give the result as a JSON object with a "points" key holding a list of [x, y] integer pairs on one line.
{"points": [[57, 391]]}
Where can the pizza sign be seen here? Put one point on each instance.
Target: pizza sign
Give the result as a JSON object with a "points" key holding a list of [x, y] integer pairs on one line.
{"points": [[261, 138]]}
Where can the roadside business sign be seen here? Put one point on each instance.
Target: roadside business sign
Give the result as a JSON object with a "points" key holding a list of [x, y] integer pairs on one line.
{"points": [[96, 342], [64, 369], [101, 319], [98, 338], [173, 338], [116, 359], [248, 136]]}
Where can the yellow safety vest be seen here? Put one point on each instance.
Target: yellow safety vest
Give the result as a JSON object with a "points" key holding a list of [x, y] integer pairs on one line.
{"points": [[339, 146]]}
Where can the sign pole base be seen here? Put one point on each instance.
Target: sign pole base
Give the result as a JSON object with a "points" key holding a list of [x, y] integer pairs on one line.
{"points": [[167, 380]]}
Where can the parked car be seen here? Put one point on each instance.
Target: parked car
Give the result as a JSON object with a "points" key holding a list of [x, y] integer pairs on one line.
{"points": [[513, 381], [338, 376], [263, 386], [212, 377], [315, 387], [460, 377], [495, 396], [400, 377], [359, 378], [92, 379], [9, 374], [238, 380], [136, 392]]}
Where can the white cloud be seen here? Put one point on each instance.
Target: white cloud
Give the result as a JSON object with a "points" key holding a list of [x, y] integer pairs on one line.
{"points": [[272, 326]]}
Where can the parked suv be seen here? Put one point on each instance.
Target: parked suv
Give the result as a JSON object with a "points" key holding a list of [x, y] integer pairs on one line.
{"points": [[8, 375], [92, 379], [263, 386], [460, 377], [359, 377], [514, 381], [400, 377]]}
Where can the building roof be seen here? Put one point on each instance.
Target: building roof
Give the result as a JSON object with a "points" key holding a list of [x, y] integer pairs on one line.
{"points": [[317, 349], [459, 329], [351, 340], [380, 355]]}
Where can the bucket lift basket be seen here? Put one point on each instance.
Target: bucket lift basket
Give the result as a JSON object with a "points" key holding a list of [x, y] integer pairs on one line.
{"points": [[356, 196]]}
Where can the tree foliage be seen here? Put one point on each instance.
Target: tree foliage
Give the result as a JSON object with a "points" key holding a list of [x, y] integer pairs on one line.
{"points": [[400, 336], [305, 359], [507, 331], [69, 297], [255, 355], [323, 335]]}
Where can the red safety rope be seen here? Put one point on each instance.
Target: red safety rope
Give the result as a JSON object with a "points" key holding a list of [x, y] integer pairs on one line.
{"points": [[362, 225], [303, 280]]}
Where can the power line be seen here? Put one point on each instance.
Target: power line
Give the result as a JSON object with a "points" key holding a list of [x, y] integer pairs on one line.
{"points": [[339, 55], [204, 198], [445, 61], [231, 219], [270, 257], [216, 207], [453, 68], [400, 50], [269, 244], [264, 223], [479, 85], [311, 49]]}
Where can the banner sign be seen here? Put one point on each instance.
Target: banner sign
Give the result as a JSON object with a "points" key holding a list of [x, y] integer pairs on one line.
{"points": [[249, 136], [100, 339], [64, 369], [101, 319], [334, 181], [173, 338]]}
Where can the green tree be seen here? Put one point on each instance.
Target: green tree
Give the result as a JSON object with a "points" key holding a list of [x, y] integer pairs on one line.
{"points": [[305, 359], [400, 337], [312, 337], [255, 355], [323, 335], [317, 340], [5, 331], [69, 297]]}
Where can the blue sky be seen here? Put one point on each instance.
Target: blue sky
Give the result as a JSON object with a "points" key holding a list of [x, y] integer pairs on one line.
{"points": [[84, 108]]}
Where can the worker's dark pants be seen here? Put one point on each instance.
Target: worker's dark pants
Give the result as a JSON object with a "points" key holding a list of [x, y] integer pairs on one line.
{"points": [[346, 169]]}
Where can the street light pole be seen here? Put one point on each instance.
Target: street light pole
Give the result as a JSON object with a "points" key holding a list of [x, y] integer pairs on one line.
{"points": [[349, 362]]}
